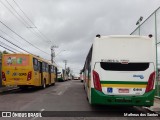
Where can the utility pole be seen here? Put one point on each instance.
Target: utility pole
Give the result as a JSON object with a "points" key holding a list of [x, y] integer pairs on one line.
{"points": [[138, 23], [65, 61], [53, 52]]}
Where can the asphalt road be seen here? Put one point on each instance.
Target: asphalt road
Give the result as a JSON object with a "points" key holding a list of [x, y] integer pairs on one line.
{"points": [[68, 97]]}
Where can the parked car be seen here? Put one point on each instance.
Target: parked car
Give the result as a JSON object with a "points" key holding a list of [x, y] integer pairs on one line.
{"points": [[76, 78]]}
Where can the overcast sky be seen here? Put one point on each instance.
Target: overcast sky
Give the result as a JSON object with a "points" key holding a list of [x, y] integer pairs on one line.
{"points": [[69, 24]]}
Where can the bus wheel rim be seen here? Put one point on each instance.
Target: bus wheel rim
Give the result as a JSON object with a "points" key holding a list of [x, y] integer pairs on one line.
{"points": [[44, 84]]}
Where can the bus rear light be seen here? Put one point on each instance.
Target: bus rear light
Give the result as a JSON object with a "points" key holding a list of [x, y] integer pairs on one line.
{"points": [[3, 76], [29, 76], [96, 81], [150, 84]]}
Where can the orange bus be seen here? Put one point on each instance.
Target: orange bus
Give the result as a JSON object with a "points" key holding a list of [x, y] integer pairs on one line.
{"points": [[27, 70]]}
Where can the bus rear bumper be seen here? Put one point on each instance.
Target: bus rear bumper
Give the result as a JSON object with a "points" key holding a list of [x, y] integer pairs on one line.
{"points": [[98, 97], [18, 83]]}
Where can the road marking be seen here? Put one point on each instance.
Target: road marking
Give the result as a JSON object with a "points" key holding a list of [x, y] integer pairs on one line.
{"points": [[63, 89], [60, 93], [42, 110], [39, 112]]}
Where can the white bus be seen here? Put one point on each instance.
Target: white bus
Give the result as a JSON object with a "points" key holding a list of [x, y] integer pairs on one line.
{"points": [[120, 70]]}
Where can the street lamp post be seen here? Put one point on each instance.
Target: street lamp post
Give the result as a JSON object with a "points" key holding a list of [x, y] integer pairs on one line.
{"points": [[65, 61], [138, 23]]}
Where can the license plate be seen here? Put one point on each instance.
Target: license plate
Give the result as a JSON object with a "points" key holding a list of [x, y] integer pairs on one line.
{"points": [[16, 79], [123, 90]]}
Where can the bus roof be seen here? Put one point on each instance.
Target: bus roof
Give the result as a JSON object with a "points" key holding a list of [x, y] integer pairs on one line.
{"points": [[124, 36], [37, 57], [124, 47]]}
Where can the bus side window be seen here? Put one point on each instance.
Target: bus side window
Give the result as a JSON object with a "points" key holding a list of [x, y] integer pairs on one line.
{"points": [[53, 69], [40, 67], [46, 67], [50, 69], [43, 67], [56, 70], [35, 64]]}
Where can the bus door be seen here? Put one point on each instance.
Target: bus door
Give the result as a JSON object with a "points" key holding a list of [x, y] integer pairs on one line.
{"points": [[36, 71], [50, 75], [40, 72], [56, 72]]}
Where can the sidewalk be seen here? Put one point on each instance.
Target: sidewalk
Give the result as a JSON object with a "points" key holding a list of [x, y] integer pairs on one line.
{"points": [[8, 88], [156, 107]]}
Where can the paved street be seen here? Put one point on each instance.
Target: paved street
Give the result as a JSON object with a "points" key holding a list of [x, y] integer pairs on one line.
{"points": [[64, 96]]}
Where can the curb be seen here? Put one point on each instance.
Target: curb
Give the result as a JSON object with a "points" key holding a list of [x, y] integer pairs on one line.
{"points": [[7, 89], [157, 97], [152, 110]]}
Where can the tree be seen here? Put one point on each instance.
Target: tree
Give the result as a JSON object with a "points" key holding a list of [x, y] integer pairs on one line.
{"points": [[68, 70], [5, 52], [1, 54]]}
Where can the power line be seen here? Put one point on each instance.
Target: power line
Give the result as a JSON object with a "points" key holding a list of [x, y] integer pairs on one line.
{"points": [[15, 44], [13, 13], [8, 35], [22, 37], [12, 42], [17, 13], [7, 48], [43, 35], [31, 21], [24, 21], [23, 13]]}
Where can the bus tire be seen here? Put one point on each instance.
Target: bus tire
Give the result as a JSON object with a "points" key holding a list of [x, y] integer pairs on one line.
{"points": [[44, 84], [87, 98]]}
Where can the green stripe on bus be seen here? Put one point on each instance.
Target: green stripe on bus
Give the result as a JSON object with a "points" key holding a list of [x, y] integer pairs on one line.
{"points": [[123, 82]]}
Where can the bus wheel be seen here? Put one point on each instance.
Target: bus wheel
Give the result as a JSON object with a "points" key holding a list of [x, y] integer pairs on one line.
{"points": [[87, 98], [44, 84]]}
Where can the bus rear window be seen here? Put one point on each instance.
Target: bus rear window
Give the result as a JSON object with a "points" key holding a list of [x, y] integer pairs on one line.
{"points": [[124, 67]]}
